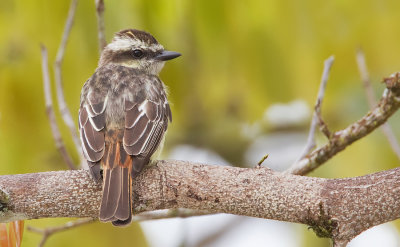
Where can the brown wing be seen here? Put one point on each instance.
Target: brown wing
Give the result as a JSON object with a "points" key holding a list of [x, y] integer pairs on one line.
{"points": [[91, 126], [145, 125]]}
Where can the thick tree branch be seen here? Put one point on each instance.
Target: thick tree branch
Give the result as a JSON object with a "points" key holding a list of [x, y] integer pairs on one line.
{"points": [[336, 208], [389, 103]]}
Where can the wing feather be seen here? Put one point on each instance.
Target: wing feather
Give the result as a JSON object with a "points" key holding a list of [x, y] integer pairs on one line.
{"points": [[168, 111], [132, 116], [91, 125], [142, 139], [89, 153], [83, 117], [145, 124], [98, 122], [134, 134], [94, 138], [150, 108]]}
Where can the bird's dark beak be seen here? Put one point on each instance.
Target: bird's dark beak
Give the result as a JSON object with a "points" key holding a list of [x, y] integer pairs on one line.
{"points": [[167, 55]]}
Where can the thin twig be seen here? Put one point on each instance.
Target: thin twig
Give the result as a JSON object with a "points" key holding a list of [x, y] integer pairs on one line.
{"points": [[388, 104], [50, 110], [62, 105], [170, 213], [47, 232], [386, 128], [262, 160], [362, 68], [152, 215], [215, 235], [317, 119], [100, 24]]}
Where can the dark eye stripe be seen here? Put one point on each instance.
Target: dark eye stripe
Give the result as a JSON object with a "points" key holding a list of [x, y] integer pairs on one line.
{"points": [[127, 55]]}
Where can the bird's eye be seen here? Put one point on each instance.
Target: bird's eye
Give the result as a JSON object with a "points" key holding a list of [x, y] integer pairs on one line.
{"points": [[137, 53]]}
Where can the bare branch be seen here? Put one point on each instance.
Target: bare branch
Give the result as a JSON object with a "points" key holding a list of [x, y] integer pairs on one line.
{"points": [[170, 213], [100, 24], [317, 119], [50, 110], [334, 208], [389, 103], [362, 68], [62, 105], [214, 236], [394, 144], [47, 232], [321, 93], [386, 128]]}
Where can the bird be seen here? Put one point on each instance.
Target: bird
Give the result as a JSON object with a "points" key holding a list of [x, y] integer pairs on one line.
{"points": [[123, 117]]}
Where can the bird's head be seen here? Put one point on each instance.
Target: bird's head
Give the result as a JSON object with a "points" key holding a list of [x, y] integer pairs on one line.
{"points": [[136, 49]]}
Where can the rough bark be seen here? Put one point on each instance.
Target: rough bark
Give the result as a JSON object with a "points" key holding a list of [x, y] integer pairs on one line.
{"points": [[335, 208]]}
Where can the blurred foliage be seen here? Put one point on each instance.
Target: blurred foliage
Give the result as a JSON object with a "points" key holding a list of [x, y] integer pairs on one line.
{"points": [[239, 57]]}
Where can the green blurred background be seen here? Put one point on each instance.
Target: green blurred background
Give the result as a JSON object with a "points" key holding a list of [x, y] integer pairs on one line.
{"points": [[239, 57]]}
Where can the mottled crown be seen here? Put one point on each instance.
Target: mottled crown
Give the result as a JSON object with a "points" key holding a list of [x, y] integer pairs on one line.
{"points": [[138, 35]]}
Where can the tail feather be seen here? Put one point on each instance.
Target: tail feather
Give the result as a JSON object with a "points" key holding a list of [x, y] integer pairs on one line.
{"points": [[116, 200], [124, 203], [123, 215]]}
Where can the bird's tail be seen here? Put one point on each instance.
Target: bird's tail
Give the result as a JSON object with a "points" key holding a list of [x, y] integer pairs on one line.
{"points": [[116, 200]]}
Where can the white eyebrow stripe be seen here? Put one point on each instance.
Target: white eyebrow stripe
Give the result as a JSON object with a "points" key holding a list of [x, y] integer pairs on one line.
{"points": [[125, 44]]}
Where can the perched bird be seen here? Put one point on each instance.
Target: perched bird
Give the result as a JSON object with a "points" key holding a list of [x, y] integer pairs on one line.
{"points": [[123, 116]]}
